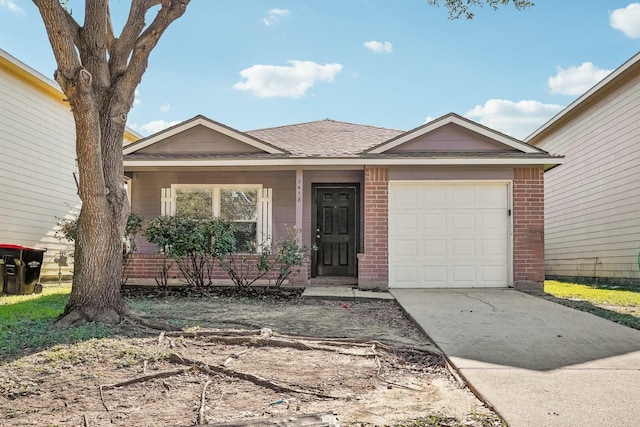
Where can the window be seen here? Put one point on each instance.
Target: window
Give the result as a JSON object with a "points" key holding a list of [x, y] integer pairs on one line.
{"points": [[247, 206]]}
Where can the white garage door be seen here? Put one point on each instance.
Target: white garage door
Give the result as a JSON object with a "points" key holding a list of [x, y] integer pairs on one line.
{"points": [[448, 235]]}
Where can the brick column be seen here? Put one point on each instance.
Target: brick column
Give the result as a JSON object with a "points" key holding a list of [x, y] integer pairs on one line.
{"points": [[373, 264], [528, 229]]}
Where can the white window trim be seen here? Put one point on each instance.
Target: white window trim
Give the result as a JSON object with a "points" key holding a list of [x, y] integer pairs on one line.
{"points": [[263, 220]]}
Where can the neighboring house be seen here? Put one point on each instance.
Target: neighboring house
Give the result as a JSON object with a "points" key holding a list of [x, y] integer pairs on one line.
{"points": [[592, 202], [37, 161], [447, 204]]}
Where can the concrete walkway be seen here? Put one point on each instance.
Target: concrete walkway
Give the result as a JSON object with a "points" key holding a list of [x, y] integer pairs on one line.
{"points": [[536, 362]]}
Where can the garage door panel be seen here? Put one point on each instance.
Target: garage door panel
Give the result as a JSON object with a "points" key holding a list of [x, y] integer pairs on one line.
{"points": [[432, 196], [407, 275], [461, 195], [406, 248], [493, 248], [491, 196], [463, 274], [458, 234], [405, 197], [494, 274], [434, 248], [406, 222], [462, 248], [435, 274], [435, 222], [462, 222], [492, 220]]}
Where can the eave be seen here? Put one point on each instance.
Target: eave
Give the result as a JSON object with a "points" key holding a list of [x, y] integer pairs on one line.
{"points": [[547, 162]]}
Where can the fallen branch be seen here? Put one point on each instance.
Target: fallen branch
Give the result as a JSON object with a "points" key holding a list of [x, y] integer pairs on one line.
{"points": [[102, 399], [259, 381], [202, 402], [277, 342], [218, 332], [145, 378]]}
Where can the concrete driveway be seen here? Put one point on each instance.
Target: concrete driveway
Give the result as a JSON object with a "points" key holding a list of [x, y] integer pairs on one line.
{"points": [[536, 362]]}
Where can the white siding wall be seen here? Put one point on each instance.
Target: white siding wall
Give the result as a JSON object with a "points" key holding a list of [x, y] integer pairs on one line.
{"points": [[37, 161], [592, 202]]}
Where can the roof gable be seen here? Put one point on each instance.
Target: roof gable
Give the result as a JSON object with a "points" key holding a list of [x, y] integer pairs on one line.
{"points": [[625, 72], [452, 133], [201, 135]]}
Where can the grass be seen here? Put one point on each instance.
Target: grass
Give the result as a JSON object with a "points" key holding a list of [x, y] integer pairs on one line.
{"points": [[25, 322], [597, 294], [619, 304]]}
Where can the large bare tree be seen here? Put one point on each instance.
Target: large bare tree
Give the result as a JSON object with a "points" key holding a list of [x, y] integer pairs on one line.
{"points": [[99, 72]]}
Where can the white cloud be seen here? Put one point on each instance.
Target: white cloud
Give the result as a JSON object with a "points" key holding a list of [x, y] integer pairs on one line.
{"points": [[136, 97], [627, 20], [576, 80], [269, 81], [166, 107], [379, 47], [274, 16], [11, 6], [156, 126], [517, 119]]}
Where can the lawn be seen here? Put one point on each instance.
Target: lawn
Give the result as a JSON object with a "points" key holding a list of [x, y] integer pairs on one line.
{"points": [[620, 304], [234, 361], [25, 319]]}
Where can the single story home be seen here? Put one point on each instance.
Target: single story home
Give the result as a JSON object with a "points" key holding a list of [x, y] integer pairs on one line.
{"points": [[37, 164], [448, 204], [592, 202]]}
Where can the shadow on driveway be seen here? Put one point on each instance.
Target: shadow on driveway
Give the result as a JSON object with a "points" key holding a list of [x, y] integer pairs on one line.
{"points": [[509, 328]]}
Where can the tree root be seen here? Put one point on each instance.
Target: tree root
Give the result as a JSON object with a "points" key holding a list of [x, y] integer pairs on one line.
{"points": [[77, 316], [202, 402], [259, 381], [146, 378]]}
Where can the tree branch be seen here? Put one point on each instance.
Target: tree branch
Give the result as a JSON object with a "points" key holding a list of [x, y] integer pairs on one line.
{"points": [[170, 11], [63, 32], [144, 378], [259, 381], [122, 47]]}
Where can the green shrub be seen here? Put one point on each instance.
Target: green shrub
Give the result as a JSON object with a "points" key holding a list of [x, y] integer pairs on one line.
{"points": [[194, 244]]}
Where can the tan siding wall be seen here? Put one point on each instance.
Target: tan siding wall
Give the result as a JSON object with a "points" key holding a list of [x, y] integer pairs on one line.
{"points": [[200, 140], [451, 138], [37, 160], [592, 203]]}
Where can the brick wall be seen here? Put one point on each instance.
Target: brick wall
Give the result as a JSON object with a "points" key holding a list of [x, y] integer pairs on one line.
{"points": [[528, 229], [146, 267], [373, 266]]}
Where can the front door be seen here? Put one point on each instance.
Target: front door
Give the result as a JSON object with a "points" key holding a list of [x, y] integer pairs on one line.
{"points": [[336, 230]]}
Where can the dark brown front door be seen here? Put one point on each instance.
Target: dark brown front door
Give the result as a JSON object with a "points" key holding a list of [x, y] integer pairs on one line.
{"points": [[336, 230]]}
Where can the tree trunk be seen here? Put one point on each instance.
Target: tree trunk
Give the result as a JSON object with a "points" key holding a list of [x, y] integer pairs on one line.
{"points": [[98, 72], [95, 294]]}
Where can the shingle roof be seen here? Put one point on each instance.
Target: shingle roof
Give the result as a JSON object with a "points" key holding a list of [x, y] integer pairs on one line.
{"points": [[325, 138]]}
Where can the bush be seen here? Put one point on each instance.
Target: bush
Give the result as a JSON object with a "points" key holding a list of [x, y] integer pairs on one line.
{"points": [[68, 231], [289, 254], [194, 244]]}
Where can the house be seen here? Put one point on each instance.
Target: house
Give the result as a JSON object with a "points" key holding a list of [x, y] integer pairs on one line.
{"points": [[450, 203], [37, 162], [592, 202]]}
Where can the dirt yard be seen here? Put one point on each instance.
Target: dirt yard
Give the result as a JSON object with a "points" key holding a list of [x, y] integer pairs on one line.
{"points": [[239, 360]]}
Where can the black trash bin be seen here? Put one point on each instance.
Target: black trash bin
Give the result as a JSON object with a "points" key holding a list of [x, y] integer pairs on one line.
{"points": [[20, 269]]}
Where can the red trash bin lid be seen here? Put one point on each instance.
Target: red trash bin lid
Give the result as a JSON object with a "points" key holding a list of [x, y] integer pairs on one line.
{"points": [[19, 247]]}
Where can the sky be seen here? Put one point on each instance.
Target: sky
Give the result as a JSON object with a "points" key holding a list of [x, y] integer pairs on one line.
{"points": [[253, 64]]}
